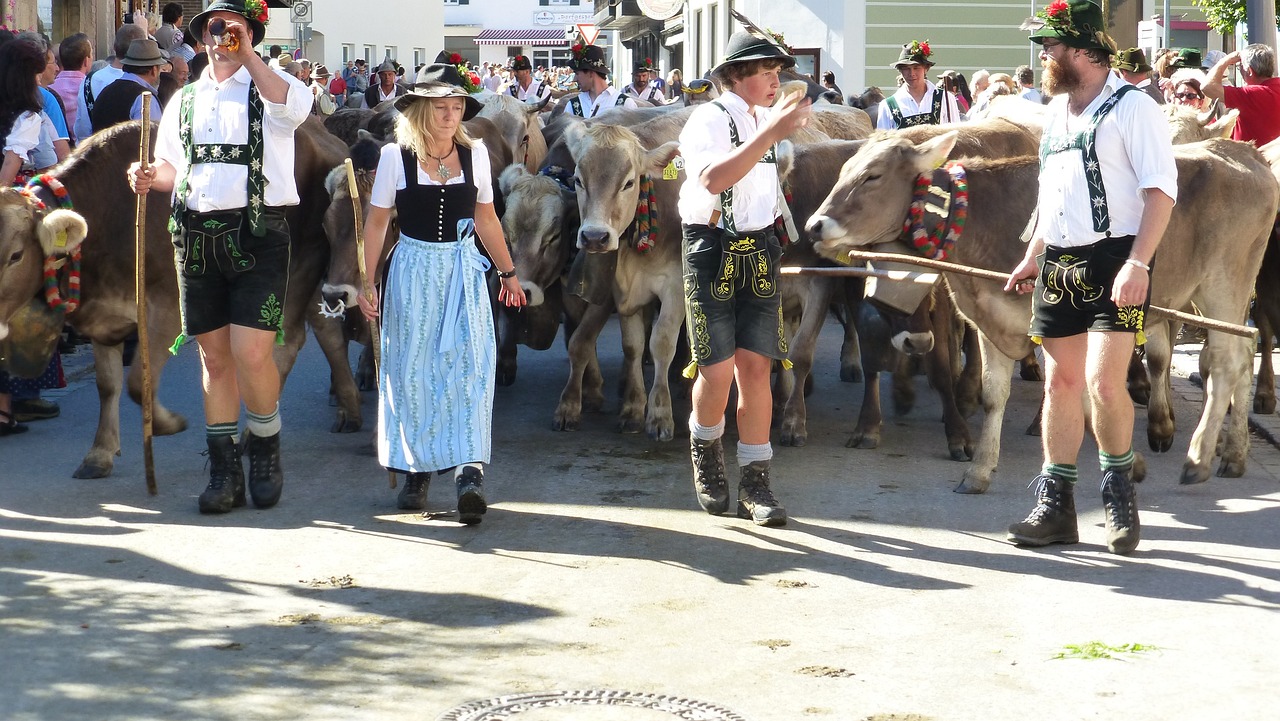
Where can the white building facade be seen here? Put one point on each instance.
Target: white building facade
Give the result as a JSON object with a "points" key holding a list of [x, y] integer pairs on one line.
{"points": [[409, 31], [494, 31]]}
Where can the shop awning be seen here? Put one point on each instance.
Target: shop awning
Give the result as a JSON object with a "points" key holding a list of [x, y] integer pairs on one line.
{"points": [[531, 36]]}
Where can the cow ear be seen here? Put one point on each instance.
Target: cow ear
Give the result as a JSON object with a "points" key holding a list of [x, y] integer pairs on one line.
{"points": [[933, 153], [335, 180], [61, 232], [786, 158], [1223, 127], [658, 158], [509, 177]]}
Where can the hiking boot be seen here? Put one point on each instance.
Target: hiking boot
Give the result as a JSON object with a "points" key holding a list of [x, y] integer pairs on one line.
{"points": [[1120, 502], [413, 495], [35, 409], [709, 482], [471, 503], [226, 477], [266, 477], [755, 500], [1053, 520]]}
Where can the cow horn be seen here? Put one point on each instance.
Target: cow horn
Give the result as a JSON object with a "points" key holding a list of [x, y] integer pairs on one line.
{"points": [[537, 107], [1205, 118]]}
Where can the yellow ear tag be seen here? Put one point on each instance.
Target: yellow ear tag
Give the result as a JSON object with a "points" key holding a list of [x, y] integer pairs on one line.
{"points": [[60, 240], [670, 172]]}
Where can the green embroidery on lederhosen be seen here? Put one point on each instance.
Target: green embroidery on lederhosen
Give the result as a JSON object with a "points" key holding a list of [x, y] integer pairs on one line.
{"points": [[726, 195], [1064, 278], [933, 117], [699, 336], [271, 313], [250, 154], [1084, 141]]}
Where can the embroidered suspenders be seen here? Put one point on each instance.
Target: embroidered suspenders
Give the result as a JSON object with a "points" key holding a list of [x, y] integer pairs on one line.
{"points": [[1084, 142], [230, 153], [933, 117], [726, 195], [575, 105]]}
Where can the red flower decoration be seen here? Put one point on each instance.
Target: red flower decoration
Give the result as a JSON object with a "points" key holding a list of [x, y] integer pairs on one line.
{"points": [[1055, 8], [924, 48], [456, 59]]}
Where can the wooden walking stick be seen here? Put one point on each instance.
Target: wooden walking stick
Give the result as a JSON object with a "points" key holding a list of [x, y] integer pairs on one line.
{"points": [[140, 294], [365, 286], [995, 275]]}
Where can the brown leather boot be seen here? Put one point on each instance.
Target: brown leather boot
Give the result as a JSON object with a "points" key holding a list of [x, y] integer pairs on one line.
{"points": [[226, 477], [755, 499], [709, 483], [1053, 520], [1120, 500], [413, 494]]}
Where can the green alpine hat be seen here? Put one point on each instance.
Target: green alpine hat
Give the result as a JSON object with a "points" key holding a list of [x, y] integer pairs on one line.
{"points": [[1077, 24], [1132, 60], [1187, 58], [744, 46], [915, 53]]}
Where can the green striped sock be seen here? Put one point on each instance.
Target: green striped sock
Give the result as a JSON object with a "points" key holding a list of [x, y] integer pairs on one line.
{"points": [[219, 430], [1121, 462], [263, 426], [1066, 471]]}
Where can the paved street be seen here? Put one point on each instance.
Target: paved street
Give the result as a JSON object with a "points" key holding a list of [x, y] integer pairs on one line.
{"points": [[887, 596]]}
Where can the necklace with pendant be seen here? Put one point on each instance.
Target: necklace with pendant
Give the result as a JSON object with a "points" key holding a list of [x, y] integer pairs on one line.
{"points": [[442, 170]]}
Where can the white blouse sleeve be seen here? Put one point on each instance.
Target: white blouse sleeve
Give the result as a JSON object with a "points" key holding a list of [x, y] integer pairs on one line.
{"points": [[389, 179], [483, 174], [25, 134]]}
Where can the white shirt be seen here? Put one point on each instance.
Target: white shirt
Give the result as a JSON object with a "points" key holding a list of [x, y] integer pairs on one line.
{"points": [[650, 93], [1031, 94], [391, 177], [492, 82], [705, 139], [591, 108], [24, 136], [1134, 152], [536, 90], [907, 105], [221, 115], [101, 79]]}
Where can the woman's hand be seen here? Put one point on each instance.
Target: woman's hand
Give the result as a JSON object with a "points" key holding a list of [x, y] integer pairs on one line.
{"points": [[369, 304], [511, 294]]}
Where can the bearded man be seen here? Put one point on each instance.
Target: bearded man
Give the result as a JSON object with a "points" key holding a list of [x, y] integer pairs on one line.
{"points": [[1107, 188]]}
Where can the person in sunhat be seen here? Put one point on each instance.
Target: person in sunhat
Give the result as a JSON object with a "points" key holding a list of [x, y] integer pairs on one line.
{"points": [[121, 101], [386, 88], [917, 101], [436, 381], [1133, 67], [1108, 183], [522, 85], [595, 94], [728, 204], [642, 86], [232, 181]]}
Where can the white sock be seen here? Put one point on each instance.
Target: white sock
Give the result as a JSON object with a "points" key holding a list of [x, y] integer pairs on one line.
{"points": [[749, 453], [263, 426], [705, 433]]}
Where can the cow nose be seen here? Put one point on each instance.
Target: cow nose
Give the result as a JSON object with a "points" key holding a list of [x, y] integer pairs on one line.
{"points": [[593, 240], [815, 226]]}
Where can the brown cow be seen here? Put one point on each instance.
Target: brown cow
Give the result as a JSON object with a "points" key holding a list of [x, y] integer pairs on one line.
{"points": [[1226, 205], [518, 123], [28, 235], [94, 175]]}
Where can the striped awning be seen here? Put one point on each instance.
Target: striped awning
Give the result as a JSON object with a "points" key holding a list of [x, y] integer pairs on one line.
{"points": [[531, 36]]}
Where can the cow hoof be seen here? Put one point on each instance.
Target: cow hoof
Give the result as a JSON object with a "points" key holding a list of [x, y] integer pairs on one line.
{"points": [[630, 425], [1193, 474], [795, 439], [1264, 405], [861, 441], [92, 470], [1139, 472], [366, 382], [343, 424], [661, 432], [333, 400], [564, 423], [962, 453], [1159, 443], [1231, 469], [505, 378], [168, 424], [972, 486], [850, 374]]}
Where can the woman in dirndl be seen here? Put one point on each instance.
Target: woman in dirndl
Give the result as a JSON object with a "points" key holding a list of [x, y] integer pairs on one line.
{"points": [[435, 385]]}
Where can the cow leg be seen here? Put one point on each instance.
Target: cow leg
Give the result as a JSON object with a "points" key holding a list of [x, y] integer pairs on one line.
{"points": [[582, 351], [1160, 424], [851, 368], [108, 364], [592, 379], [867, 432], [660, 420], [1264, 399], [506, 329], [1138, 382], [804, 344], [329, 335], [969, 381], [631, 417], [366, 370], [1228, 365], [1029, 368], [939, 368], [997, 377], [1235, 450]]}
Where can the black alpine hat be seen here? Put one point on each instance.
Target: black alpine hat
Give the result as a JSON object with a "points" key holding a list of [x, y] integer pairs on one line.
{"points": [[644, 66], [744, 46], [589, 57], [520, 62], [441, 80], [256, 26]]}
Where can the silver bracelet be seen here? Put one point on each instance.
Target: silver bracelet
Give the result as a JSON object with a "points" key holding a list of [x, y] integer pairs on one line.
{"points": [[1137, 263]]}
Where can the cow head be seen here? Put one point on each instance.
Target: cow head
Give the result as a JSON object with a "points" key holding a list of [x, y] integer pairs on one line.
{"points": [[540, 222], [520, 126], [29, 234], [873, 193], [342, 279], [1188, 126], [609, 161]]}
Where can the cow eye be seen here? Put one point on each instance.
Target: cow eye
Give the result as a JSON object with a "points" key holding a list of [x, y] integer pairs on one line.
{"points": [[577, 182], [627, 185], [17, 256], [872, 178]]}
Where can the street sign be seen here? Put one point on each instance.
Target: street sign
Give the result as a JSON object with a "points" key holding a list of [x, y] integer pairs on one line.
{"points": [[301, 11], [590, 33]]}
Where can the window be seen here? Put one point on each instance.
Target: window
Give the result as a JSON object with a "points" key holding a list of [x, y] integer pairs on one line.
{"points": [[369, 54], [455, 2], [348, 53], [419, 56], [713, 42], [697, 45], [389, 53]]}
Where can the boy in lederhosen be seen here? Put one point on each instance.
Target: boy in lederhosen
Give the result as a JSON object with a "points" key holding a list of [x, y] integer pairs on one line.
{"points": [[1108, 182], [733, 311]]}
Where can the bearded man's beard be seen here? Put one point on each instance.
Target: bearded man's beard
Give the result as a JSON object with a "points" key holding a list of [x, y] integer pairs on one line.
{"points": [[1058, 78]]}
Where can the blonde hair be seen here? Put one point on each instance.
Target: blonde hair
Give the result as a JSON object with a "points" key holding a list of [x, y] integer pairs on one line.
{"points": [[415, 123]]}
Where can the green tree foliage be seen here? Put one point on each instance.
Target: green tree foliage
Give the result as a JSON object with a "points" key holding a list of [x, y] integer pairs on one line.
{"points": [[1224, 15]]}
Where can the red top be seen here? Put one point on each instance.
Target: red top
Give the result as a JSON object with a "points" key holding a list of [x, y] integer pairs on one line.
{"points": [[1259, 107]]}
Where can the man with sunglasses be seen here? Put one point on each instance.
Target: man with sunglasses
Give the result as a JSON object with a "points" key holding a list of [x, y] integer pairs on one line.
{"points": [[1107, 187]]}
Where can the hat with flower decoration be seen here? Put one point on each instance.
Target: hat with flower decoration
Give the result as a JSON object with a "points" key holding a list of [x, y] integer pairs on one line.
{"points": [[254, 11], [915, 52], [645, 66], [589, 57], [1075, 23], [443, 80], [520, 62]]}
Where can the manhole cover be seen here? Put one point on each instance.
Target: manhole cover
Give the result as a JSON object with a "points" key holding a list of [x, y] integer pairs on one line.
{"points": [[624, 706]]}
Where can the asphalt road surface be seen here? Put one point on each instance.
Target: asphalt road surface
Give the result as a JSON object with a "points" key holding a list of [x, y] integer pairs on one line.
{"points": [[886, 596]]}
